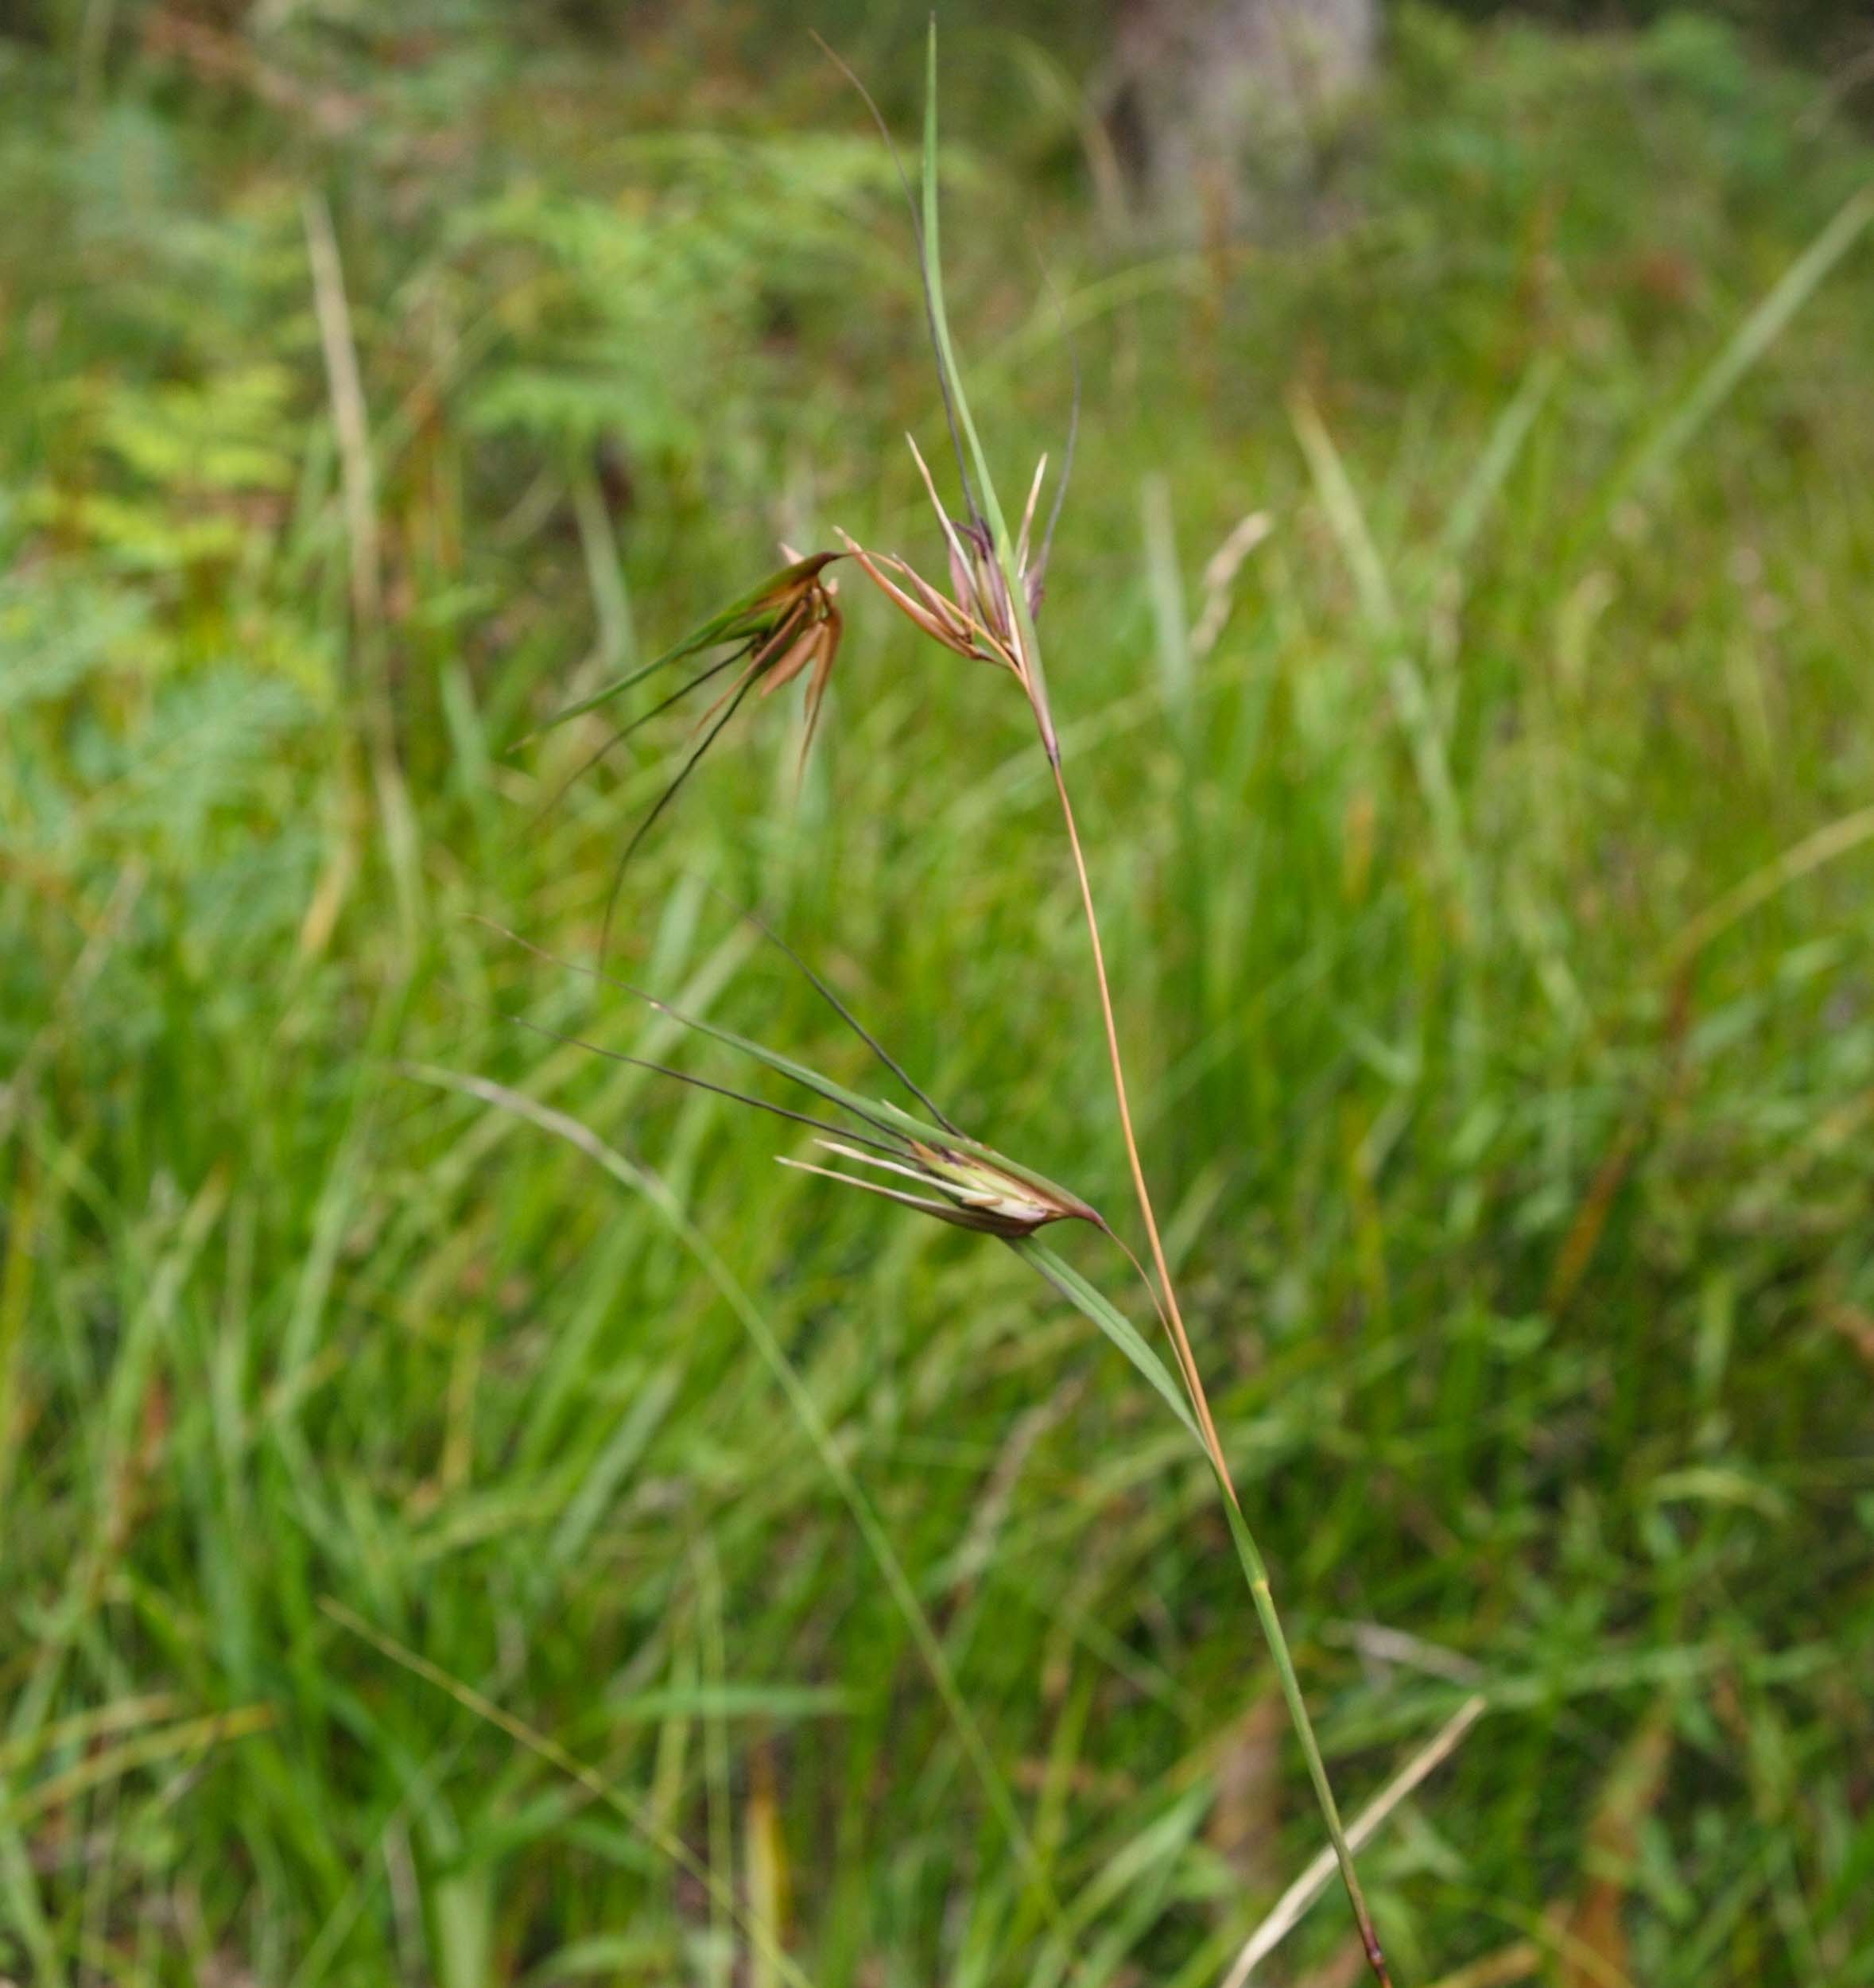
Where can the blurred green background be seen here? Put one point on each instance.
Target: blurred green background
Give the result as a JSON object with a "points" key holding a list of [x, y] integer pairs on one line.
{"points": [[1485, 864]]}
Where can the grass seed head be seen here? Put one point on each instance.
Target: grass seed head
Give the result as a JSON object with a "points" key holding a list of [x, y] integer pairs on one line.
{"points": [[805, 627], [944, 1172], [994, 1186], [964, 1184], [788, 624], [977, 617]]}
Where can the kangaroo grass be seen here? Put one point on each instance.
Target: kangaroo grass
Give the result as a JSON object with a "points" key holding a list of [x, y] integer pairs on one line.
{"points": [[791, 622], [989, 615], [965, 1183]]}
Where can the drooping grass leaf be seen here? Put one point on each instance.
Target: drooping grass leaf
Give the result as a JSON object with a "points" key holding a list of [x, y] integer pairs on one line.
{"points": [[1111, 1321]]}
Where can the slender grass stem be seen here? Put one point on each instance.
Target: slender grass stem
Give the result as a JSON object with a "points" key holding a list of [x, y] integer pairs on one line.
{"points": [[1173, 1317], [1013, 622], [1254, 1568]]}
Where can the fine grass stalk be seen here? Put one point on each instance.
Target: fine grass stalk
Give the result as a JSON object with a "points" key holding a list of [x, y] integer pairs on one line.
{"points": [[1025, 643]]}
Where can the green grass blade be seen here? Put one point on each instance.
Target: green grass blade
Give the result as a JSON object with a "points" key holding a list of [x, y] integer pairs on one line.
{"points": [[1113, 1322], [1500, 453], [940, 324], [1746, 345], [1126, 1339], [933, 278], [1256, 1572], [640, 1818]]}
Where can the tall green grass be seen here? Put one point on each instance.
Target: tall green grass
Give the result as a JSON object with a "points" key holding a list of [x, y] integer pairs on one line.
{"points": [[1488, 913]]}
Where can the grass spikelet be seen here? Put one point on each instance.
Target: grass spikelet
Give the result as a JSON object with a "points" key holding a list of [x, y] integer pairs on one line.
{"points": [[960, 1180], [787, 626]]}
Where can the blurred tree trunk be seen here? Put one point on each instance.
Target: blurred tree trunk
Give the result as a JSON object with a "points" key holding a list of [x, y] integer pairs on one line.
{"points": [[1218, 108]]}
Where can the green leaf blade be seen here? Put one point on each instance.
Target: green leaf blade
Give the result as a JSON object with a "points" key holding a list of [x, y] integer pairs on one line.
{"points": [[1114, 1323]]}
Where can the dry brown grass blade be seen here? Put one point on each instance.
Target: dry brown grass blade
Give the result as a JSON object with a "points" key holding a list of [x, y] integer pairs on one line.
{"points": [[940, 627], [1022, 537], [1583, 1233], [937, 504], [1245, 1821], [1293, 1902], [1814, 853], [1596, 1953], [187, 1738], [1855, 1326], [826, 657], [1522, 1960], [764, 1857], [351, 423]]}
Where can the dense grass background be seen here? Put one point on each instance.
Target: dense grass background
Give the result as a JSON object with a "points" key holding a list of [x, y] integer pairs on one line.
{"points": [[1489, 911]]}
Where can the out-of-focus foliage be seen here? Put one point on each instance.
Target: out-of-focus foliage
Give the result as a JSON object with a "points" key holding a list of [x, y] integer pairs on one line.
{"points": [[644, 320], [1806, 29], [1487, 895]]}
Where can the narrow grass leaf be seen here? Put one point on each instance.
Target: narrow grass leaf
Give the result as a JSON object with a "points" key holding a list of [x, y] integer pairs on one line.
{"points": [[1465, 518], [1256, 1571], [1111, 1321], [1746, 345]]}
